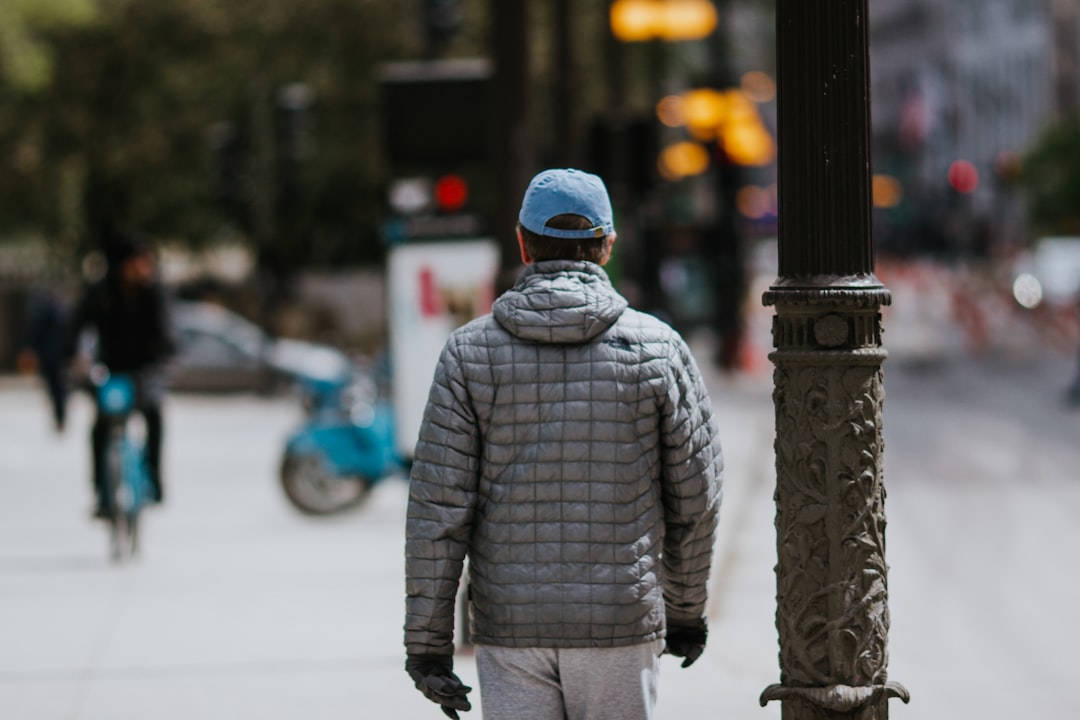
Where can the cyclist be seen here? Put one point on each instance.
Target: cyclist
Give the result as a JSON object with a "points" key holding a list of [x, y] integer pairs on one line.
{"points": [[127, 308]]}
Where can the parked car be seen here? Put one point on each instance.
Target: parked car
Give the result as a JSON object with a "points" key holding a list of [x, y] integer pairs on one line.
{"points": [[220, 351]]}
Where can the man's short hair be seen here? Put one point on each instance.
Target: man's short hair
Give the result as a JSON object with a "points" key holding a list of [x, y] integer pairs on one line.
{"points": [[545, 247]]}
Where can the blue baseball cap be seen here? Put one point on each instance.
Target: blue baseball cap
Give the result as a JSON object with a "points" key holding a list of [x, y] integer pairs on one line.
{"points": [[567, 192]]}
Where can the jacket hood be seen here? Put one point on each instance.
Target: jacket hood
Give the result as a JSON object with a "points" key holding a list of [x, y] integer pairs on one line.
{"points": [[559, 301]]}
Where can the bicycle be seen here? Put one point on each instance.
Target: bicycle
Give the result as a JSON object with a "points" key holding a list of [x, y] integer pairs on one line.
{"points": [[126, 477]]}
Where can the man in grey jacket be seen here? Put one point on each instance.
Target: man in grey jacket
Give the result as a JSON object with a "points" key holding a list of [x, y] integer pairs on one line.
{"points": [[569, 450]]}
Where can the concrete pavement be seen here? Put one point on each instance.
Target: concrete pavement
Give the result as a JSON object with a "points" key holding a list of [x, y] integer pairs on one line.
{"points": [[241, 608]]}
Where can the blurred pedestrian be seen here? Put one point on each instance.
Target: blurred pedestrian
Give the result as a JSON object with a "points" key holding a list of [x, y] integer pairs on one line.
{"points": [[128, 310], [569, 451], [46, 322], [1072, 395]]}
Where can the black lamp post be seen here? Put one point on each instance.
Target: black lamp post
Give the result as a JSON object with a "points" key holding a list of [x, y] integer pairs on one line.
{"points": [[832, 605]]}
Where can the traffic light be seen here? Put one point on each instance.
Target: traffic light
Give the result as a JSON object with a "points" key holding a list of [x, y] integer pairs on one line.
{"points": [[451, 193], [435, 122], [445, 195], [425, 208]]}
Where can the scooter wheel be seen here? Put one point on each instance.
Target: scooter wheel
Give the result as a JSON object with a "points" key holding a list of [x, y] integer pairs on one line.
{"points": [[312, 489]]}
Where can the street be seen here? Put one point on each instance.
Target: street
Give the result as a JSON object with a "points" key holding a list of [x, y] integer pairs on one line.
{"points": [[239, 607], [984, 491]]}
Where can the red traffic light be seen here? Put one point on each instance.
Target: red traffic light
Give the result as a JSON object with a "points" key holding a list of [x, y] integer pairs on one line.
{"points": [[964, 177], [451, 193]]}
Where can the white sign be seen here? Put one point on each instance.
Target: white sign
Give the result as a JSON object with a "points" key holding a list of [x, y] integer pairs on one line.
{"points": [[434, 288]]}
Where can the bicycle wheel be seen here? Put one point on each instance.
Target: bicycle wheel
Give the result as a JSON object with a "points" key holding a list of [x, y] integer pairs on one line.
{"points": [[312, 489], [135, 490], [133, 533], [118, 531], [121, 536]]}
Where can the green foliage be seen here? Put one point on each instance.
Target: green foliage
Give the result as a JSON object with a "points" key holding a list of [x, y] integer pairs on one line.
{"points": [[1051, 179], [120, 132], [109, 110], [26, 62]]}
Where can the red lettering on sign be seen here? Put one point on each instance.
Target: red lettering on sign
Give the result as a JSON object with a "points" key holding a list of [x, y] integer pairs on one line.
{"points": [[429, 294]]}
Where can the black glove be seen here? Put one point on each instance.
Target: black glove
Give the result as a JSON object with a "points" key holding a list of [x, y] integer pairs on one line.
{"points": [[434, 676], [687, 641]]}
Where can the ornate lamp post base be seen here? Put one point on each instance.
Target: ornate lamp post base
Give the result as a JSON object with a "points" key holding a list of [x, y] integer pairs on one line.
{"points": [[832, 612], [867, 701]]}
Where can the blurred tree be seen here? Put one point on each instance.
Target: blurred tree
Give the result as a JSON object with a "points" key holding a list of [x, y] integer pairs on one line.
{"points": [[124, 132], [1050, 176], [127, 118], [26, 61]]}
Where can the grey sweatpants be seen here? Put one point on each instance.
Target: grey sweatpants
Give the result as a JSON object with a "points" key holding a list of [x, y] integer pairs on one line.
{"points": [[569, 684]]}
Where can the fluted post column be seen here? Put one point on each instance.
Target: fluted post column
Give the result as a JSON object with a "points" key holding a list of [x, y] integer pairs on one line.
{"points": [[832, 602]]}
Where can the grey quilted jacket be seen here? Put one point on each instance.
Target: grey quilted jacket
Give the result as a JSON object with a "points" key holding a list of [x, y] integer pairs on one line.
{"points": [[568, 448]]}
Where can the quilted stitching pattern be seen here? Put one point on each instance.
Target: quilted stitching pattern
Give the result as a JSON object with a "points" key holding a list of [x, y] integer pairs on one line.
{"points": [[569, 448]]}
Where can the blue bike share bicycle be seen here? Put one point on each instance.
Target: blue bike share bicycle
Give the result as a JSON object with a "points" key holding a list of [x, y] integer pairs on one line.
{"points": [[344, 446], [124, 471]]}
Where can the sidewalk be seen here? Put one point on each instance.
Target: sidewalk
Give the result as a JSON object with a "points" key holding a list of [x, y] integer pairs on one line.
{"points": [[742, 655], [240, 608]]}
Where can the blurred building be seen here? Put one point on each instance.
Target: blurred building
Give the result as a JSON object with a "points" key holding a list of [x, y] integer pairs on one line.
{"points": [[960, 91]]}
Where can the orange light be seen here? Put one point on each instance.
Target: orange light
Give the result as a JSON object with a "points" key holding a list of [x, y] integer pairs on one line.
{"points": [[671, 20], [758, 86], [683, 159], [451, 193], [671, 111], [739, 106], [753, 202], [687, 20], [747, 143], [633, 20], [703, 110], [887, 190], [729, 117], [1008, 165]]}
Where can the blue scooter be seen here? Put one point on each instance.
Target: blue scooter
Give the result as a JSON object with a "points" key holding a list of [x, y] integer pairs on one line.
{"points": [[344, 447]]}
